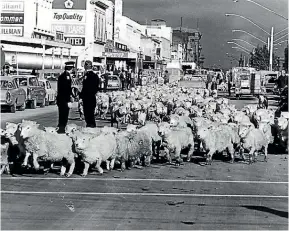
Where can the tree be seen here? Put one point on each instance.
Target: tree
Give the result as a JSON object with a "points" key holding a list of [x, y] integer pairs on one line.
{"points": [[286, 60], [260, 58]]}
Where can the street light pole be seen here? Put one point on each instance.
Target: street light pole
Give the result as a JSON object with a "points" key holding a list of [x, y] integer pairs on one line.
{"points": [[271, 50], [249, 34]]}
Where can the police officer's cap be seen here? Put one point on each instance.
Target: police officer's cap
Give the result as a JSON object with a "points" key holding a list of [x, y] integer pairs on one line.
{"points": [[70, 64]]}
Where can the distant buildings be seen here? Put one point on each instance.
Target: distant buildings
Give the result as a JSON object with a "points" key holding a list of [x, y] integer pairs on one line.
{"points": [[186, 43]]}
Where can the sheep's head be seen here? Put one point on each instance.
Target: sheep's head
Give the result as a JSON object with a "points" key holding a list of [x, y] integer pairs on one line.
{"points": [[70, 129], [282, 123], [164, 128], [28, 128], [203, 132], [81, 140], [244, 129], [10, 129], [174, 120], [131, 128], [50, 130]]}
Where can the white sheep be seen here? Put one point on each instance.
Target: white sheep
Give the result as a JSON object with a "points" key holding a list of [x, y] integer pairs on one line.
{"points": [[175, 140], [46, 146], [253, 140], [215, 139], [133, 146], [95, 149]]}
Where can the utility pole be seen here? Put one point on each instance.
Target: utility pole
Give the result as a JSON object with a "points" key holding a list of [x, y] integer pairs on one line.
{"points": [[271, 50]]}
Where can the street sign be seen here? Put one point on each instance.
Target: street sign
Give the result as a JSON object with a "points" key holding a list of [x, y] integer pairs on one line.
{"points": [[13, 60]]}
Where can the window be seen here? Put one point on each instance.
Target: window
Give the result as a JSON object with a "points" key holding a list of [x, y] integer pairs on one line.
{"points": [[33, 82], [48, 85], [22, 82], [41, 84], [7, 84]]}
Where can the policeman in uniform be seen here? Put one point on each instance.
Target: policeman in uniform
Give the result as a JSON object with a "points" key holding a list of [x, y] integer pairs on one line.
{"points": [[64, 96], [89, 89]]}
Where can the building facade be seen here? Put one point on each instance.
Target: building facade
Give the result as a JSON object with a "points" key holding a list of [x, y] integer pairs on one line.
{"points": [[26, 36], [189, 40], [160, 31]]}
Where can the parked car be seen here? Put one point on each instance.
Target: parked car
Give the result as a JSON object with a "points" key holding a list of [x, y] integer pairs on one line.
{"points": [[113, 83], [50, 92], [12, 96], [35, 94]]}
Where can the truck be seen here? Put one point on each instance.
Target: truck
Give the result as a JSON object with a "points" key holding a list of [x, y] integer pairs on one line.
{"points": [[248, 82]]}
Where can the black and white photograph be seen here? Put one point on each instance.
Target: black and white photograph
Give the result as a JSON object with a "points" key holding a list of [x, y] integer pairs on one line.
{"points": [[144, 114]]}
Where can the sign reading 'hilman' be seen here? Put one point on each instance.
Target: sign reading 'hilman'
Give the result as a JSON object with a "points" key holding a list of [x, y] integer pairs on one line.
{"points": [[75, 41], [12, 18], [12, 30], [68, 16]]}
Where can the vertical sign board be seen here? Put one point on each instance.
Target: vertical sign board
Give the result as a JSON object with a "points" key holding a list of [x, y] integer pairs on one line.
{"points": [[12, 17], [69, 17], [118, 15]]}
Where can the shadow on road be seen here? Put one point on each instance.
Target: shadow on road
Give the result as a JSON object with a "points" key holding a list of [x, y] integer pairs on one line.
{"points": [[267, 210]]}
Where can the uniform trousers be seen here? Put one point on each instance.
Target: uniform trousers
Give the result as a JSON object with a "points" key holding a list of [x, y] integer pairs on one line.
{"points": [[89, 105], [63, 113]]}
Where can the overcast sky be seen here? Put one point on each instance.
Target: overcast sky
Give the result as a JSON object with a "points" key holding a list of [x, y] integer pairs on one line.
{"points": [[215, 27]]}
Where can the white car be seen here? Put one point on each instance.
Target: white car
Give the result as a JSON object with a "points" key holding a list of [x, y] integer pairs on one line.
{"points": [[50, 92]]}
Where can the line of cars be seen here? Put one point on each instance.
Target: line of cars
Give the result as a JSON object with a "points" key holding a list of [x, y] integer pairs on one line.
{"points": [[22, 91]]}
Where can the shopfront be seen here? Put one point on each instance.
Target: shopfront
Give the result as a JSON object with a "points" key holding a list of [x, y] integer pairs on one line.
{"points": [[122, 60]]}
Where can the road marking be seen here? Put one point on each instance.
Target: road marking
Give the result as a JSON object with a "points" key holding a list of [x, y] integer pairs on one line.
{"points": [[142, 194], [130, 179]]}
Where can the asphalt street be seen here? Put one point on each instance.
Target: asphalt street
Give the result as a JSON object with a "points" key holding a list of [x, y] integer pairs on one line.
{"points": [[221, 196]]}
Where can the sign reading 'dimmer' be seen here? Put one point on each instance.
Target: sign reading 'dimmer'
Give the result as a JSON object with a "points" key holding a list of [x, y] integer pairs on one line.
{"points": [[75, 41], [12, 18], [12, 30]]}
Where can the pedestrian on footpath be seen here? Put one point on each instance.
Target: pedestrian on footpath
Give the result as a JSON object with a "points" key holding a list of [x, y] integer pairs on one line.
{"points": [[209, 80], [122, 79], [128, 79], [89, 89], [64, 96], [214, 87], [105, 76], [230, 77]]}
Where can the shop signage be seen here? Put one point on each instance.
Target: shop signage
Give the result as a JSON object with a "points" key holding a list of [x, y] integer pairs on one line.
{"points": [[69, 29], [12, 6], [12, 18], [12, 30], [69, 4], [68, 16], [121, 55], [75, 41]]}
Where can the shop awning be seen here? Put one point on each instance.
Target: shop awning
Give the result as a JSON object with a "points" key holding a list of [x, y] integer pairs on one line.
{"points": [[32, 42]]}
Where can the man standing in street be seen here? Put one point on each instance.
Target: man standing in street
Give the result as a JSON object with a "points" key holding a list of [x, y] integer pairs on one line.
{"points": [[105, 76], [209, 80], [282, 80], [230, 82], [64, 96], [89, 90]]}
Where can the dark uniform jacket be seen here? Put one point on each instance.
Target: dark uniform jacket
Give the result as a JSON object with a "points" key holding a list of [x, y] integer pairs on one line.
{"points": [[90, 85], [64, 90]]}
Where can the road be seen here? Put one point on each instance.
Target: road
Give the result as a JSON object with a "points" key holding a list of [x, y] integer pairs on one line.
{"points": [[192, 196]]}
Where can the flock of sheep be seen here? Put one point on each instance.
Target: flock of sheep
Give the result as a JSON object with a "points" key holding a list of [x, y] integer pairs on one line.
{"points": [[163, 122]]}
